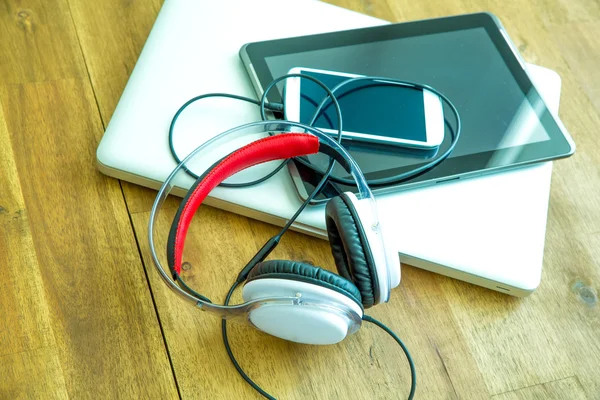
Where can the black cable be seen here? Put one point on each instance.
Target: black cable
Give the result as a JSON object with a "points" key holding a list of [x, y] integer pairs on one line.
{"points": [[330, 96], [314, 103], [230, 353], [263, 106], [272, 107], [415, 175], [413, 372], [242, 277], [265, 252], [271, 243], [411, 364], [326, 176], [396, 179]]}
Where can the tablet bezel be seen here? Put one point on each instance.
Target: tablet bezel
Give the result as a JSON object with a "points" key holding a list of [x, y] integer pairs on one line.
{"points": [[560, 144]]}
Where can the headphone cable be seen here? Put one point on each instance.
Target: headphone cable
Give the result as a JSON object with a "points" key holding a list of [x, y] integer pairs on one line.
{"points": [[230, 353], [264, 105], [411, 364], [259, 257], [272, 243], [321, 111], [413, 373]]}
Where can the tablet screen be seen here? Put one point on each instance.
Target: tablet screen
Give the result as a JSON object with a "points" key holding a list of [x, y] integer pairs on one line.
{"points": [[504, 120]]}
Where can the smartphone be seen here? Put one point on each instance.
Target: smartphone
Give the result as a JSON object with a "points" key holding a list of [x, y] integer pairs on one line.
{"points": [[375, 112]]}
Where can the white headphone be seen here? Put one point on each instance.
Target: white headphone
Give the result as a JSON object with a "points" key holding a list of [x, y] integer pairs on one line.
{"points": [[289, 299]]}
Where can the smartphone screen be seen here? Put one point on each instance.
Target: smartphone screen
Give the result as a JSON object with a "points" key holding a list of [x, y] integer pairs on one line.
{"points": [[368, 108]]}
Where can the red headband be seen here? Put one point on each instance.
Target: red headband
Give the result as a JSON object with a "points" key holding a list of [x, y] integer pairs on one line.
{"points": [[277, 147]]}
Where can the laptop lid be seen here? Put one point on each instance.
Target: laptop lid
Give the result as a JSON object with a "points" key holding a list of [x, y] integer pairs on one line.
{"points": [[489, 231]]}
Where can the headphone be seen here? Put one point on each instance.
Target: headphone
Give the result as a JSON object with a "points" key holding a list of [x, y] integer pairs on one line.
{"points": [[293, 300]]}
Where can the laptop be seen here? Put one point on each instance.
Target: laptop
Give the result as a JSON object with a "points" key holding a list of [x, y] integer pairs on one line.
{"points": [[488, 231]]}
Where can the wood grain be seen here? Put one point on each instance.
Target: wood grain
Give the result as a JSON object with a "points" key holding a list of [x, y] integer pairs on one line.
{"points": [[34, 374], [27, 344], [84, 313], [37, 42], [112, 34], [216, 253], [102, 313], [102, 320]]}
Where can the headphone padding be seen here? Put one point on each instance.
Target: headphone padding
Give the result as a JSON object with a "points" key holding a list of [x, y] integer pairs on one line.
{"points": [[349, 249], [285, 269]]}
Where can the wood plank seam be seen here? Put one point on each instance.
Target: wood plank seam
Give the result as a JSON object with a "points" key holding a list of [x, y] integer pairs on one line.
{"points": [[49, 114], [87, 69], [158, 318], [103, 122]]}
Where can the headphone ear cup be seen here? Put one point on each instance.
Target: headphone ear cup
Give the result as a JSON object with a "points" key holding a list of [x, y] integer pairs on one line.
{"points": [[350, 249], [294, 270], [329, 306]]}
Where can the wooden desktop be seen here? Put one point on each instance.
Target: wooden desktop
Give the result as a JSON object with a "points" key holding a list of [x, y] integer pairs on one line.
{"points": [[84, 314]]}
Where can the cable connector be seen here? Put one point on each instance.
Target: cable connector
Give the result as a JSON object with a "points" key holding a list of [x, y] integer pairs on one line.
{"points": [[274, 107], [259, 257]]}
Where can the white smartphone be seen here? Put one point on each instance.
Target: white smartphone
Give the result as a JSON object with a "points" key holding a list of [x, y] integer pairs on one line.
{"points": [[371, 112]]}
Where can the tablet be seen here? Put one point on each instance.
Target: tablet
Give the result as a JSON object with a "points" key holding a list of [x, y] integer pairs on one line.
{"points": [[469, 58]]}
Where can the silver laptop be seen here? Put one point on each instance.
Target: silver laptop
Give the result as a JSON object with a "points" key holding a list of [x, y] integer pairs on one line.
{"points": [[488, 231]]}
